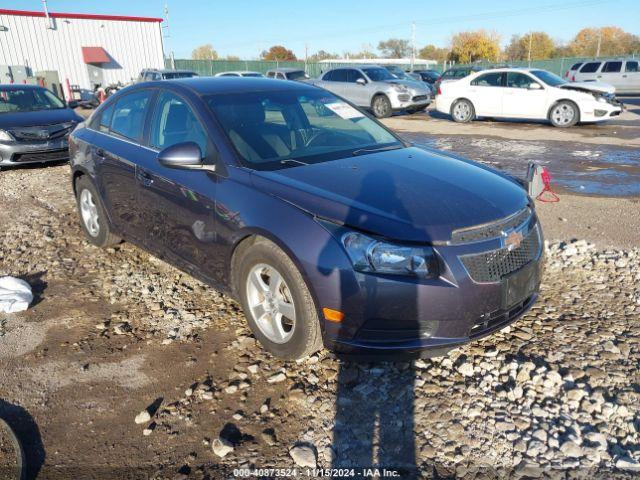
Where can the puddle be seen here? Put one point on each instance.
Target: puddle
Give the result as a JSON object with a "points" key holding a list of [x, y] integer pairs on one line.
{"points": [[593, 170]]}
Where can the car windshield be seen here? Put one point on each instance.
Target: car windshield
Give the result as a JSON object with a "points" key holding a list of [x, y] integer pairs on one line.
{"points": [[399, 73], [271, 130], [298, 74], [378, 74], [549, 78], [28, 100]]}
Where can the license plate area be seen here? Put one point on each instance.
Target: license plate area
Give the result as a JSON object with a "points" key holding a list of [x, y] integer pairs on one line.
{"points": [[520, 285]]}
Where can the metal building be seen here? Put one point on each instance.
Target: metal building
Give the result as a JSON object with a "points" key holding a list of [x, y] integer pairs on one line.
{"points": [[84, 49]]}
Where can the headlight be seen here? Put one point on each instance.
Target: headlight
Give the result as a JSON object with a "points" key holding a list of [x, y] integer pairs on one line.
{"points": [[370, 255], [399, 88], [6, 136]]}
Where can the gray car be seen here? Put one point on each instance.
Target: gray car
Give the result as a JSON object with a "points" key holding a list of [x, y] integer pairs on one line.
{"points": [[374, 87], [286, 73], [34, 125]]}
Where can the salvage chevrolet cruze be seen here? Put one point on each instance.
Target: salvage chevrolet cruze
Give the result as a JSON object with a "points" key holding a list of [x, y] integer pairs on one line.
{"points": [[327, 227]]}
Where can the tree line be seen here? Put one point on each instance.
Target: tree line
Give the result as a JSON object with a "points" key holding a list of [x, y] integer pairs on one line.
{"points": [[476, 45]]}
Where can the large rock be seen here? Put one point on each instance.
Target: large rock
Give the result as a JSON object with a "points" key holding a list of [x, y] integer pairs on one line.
{"points": [[304, 455], [221, 447]]}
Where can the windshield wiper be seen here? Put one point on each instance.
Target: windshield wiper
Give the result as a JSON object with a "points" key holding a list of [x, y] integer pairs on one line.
{"points": [[292, 160], [361, 151]]}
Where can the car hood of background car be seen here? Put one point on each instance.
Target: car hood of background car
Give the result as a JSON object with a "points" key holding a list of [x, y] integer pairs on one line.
{"points": [[599, 87], [415, 85], [407, 194], [38, 117]]}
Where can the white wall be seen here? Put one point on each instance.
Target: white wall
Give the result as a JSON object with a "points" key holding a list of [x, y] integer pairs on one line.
{"points": [[133, 45]]}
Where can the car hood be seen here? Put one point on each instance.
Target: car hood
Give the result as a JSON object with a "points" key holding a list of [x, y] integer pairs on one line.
{"points": [[598, 87], [408, 194], [412, 85], [40, 117]]}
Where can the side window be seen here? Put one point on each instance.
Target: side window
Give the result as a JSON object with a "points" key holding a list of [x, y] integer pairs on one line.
{"points": [[575, 66], [612, 67], [102, 123], [489, 80], [519, 80], [174, 122], [632, 66], [590, 67], [448, 74], [353, 75], [339, 75], [129, 114], [328, 77], [281, 76], [461, 73]]}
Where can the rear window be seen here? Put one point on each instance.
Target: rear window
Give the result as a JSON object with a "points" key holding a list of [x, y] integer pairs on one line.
{"points": [[631, 67], [590, 67], [488, 80], [612, 67], [575, 66]]}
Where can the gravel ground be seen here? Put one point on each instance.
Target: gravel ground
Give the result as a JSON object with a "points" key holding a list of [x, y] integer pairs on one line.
{"points": [[124, 366]]}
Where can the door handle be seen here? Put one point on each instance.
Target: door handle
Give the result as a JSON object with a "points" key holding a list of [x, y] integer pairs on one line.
{"points": [[599, 76], [624, 76], [144, 178]]}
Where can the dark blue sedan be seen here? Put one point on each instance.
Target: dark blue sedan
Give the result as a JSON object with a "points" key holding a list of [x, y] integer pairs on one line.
{"points": [[327, 227]]}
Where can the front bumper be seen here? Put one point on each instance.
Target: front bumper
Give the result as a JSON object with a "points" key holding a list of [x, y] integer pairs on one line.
{"points": [[595, 111], [411, 99], [387, 316], [22, 153]]}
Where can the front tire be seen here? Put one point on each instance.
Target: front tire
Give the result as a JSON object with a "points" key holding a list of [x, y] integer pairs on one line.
{"points": [[276, 301], [92, 215], [381, 106], [564, 114], [462, 111]]}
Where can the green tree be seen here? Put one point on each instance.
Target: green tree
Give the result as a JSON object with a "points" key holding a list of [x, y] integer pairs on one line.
{"points": [[475, 45], [431, 52], [395, 48], [204, 52], [233, 58], [278, 52], [322, 55], [542, 46]]}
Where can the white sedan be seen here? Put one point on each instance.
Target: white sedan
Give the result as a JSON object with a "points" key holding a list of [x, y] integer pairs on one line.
{"points": [[239, 73], [526, 93]]}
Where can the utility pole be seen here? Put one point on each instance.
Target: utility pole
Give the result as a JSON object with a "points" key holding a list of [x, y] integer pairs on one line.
{"points": [[599, 42], [306, 56], [529, 53], [413, 45]]}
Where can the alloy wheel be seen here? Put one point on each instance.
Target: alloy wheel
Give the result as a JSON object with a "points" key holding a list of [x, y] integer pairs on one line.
{"points": [[462, 111], [89, 213], [271, 303], [563, 114]]}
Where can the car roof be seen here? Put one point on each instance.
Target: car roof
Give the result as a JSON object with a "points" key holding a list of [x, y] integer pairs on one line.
{"points": [[215, 85]]}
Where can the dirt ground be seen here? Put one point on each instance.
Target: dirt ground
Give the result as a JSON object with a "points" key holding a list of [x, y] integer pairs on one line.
{"points": [[114, 333]]}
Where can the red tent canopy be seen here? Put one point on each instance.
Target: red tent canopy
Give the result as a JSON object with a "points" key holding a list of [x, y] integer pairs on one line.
{"points": [[95, 55]]}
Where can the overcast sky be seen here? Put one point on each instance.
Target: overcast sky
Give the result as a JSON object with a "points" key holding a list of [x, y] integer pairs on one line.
{"points": [[245, 27]]}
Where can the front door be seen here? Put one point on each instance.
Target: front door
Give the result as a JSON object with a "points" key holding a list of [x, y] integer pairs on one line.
{"points": [[521, 99], [611, 73], [178, 204]]}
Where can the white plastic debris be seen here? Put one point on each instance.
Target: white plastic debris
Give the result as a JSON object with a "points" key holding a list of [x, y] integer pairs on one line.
{"points": [[15, 295]]}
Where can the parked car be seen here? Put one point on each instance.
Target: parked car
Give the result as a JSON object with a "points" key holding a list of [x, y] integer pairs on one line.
{"points": [[428, 76], [570, 74], [624, 74], [527, 93], [326, 226], [242, 73], [288, 74], [397, 72], [456, 73], [151, 74], [375, 88], [34, 125]]}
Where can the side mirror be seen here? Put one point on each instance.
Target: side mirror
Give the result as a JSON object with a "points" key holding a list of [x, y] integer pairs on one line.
{"points": [[361, 81], [185, 155], [72, 104], [535, 86]]}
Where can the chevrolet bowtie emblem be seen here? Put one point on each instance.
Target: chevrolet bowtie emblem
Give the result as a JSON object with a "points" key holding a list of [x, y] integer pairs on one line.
{"points": [[513, 240]]}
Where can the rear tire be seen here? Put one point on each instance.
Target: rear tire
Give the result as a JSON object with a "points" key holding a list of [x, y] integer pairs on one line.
{"points": [[381, 106], [564, 114], [92, 215], [462, 111], [271, 291]]}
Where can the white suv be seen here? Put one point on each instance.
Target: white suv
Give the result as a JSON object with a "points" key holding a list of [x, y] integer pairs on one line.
{"points": [[624, 74]]}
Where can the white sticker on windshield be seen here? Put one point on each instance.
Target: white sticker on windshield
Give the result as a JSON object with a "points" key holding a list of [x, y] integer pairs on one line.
{"points": [[344, 110]]}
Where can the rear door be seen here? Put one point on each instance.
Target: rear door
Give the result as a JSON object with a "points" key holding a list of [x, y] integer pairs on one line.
{"points": [[611, 73], [116, 148], [520, 100], [631, 77], [588, 71], [486, 92]]}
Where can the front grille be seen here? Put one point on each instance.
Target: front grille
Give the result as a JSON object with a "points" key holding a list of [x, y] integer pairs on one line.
{"points": [[41, 133], [491, 230], [49, 156], [494, 265], [499, 318], [419, 98]]}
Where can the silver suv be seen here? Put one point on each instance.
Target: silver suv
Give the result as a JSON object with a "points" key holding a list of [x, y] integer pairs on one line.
{"points": [[376, 88], [622, 73]]}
